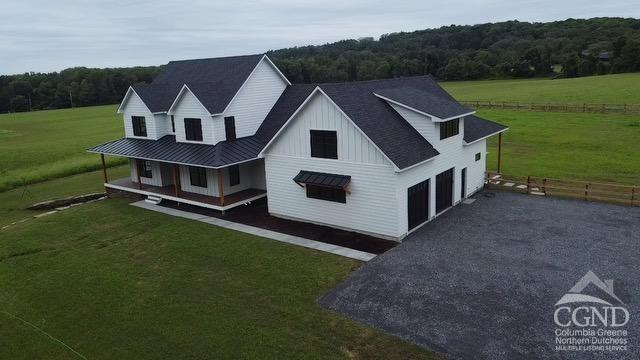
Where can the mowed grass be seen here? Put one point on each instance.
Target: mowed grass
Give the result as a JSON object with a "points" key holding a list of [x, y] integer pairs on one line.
{"points": [[111, 281], [42, 145], [609, 89], [590, 147]]}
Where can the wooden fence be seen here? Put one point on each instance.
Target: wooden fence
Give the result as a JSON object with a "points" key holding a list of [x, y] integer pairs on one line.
{"points": [[588, 191], [580, 108]]}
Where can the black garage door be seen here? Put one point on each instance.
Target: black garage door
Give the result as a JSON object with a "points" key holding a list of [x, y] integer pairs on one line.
{"points": [[418, 203], [444, 190]]}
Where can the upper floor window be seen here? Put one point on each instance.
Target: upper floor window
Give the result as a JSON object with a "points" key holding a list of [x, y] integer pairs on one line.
{"points": [[234, 175], [139, 126], [193, 129], [144, 169], [198, 176], [173, 124], [478, 156], [324, 144], [230, 127], [449, 128]]}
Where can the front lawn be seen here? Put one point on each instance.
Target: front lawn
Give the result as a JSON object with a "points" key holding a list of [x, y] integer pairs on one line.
{"points": [[112, 281]]}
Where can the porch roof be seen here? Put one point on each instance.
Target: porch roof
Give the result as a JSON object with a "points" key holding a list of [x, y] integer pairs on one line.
{"points": [[166, 149]]}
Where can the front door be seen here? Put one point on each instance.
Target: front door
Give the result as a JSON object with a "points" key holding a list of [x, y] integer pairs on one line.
{"points": [[444, 190], [418, 204]]}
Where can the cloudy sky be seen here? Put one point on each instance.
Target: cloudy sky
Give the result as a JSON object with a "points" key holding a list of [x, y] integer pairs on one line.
{"points": [[45, 35]]}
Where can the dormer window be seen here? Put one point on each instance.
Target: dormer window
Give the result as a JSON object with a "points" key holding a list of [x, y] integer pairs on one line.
{"points": [[230, 127], [193, 129], [324, 144], [139, 126], [449, 128]]}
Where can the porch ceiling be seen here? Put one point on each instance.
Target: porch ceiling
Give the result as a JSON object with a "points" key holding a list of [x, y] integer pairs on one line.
{"points": [[166, 149]]}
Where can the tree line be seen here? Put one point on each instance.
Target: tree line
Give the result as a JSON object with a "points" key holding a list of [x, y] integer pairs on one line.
{"points": [[510, 49]]}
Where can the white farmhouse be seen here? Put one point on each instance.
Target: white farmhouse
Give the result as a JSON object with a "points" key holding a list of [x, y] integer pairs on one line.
{"points": [[379, 157]]}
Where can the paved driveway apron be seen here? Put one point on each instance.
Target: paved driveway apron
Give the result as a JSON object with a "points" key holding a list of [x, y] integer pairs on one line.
{"points": [[482, 280]]}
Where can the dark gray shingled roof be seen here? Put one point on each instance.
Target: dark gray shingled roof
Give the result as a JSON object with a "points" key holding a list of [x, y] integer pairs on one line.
{"points": [[397, 139], [476, 128], [168, 150], [333, 181], [424, 101], [213, 81]]}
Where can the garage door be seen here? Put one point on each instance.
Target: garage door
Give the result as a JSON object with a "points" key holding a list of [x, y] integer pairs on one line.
{"points": [[444, 190], [418, 204]]}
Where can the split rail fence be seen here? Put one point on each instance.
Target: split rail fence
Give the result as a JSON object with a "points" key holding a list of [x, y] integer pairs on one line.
{"points": [[580, 108], [588, 191]]}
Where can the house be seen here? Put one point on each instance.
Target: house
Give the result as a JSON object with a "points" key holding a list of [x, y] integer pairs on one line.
{"points": [[379, 157]]}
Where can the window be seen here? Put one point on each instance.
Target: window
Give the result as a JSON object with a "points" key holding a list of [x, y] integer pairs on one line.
{"points": [[144, 169], [139, 126], [325, 193], [324, 144], [198, 176], [230, 127], [234, 175], [449, 128], [173, 124], [478, 156], [193, 129]]}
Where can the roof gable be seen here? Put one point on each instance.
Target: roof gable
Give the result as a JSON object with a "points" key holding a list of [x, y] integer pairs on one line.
{"points": [[437, 107]]}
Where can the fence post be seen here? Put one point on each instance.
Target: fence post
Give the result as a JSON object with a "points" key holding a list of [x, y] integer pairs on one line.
{"points": [[586, 192], [544, 186]]}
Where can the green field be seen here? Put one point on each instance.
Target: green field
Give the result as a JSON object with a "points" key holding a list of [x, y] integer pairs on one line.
{"points": [[592, 147], [609, 89], [43, 145], [113, 281]]}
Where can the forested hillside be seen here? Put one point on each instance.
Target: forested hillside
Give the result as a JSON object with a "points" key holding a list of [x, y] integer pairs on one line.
{"points": [[512, 49]]}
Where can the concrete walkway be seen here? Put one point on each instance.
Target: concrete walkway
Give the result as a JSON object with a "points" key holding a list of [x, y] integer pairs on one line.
{"points": [[289, 239]]}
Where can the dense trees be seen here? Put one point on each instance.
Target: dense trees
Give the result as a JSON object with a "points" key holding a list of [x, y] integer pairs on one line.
{"points": [[502, 50], [82, 86]]}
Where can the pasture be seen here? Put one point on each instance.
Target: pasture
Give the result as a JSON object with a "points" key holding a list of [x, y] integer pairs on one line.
{"points": [[609, 89], [43, 145]]}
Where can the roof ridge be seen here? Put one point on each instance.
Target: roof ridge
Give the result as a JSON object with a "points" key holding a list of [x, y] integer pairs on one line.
{"points": [[217, 58], [377, 80]]}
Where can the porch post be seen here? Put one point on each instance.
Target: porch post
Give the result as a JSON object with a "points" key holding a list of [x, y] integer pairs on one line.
{"points": [[138, 173], [500, 153], [104, 168], [221, 187], [176, 180]]}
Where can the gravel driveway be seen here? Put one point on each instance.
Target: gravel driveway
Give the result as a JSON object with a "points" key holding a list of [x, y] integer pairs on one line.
{"points": [[482, 280]]}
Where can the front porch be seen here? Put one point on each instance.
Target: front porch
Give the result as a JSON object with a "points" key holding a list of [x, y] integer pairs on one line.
{"points": [[169, 193]]}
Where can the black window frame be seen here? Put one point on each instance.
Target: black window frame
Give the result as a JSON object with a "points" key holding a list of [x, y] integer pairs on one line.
{"points": [[230, 128], [193, 129], [449, 128], [326, 193], [144, 169], [324, 144], [478, 156], [234, 175], [139, 124], [173, 124], [198, 176]]}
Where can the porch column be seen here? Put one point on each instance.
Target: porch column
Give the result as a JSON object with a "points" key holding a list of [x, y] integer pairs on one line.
{"points": [[138, 173], [500, 153], [176, 180], [104, 168], [221, 187]]}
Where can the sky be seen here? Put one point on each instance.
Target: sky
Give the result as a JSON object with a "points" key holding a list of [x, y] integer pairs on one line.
{"points": [[46, 35]]}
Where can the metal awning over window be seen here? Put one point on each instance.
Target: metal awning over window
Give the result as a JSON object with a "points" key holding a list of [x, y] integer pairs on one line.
{"points": [[322, 179]]}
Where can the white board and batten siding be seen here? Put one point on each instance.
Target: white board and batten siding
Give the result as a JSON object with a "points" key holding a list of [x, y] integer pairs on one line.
{"points": [[253, 101], [369, 206], [251, 176], [453, 154], [188, 106], [134, 106]]}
